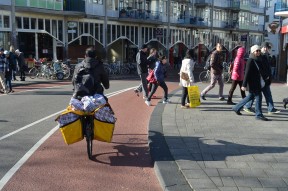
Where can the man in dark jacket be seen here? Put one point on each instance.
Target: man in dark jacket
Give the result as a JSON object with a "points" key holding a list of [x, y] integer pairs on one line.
{"points": [[216, 61], [142, 68], [252, 79], [265, 69], [21, 64], [89, 76]]}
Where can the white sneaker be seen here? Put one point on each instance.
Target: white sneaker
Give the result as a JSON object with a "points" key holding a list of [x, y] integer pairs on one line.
{"points": [[148, 103], [166, 101]]}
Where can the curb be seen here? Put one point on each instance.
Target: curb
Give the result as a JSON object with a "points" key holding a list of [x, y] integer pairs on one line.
{"points": [[167, 171]]}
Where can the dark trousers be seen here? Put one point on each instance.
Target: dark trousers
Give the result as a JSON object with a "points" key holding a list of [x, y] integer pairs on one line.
{"points": [[233, 87], [184, 96], [163, 85]]}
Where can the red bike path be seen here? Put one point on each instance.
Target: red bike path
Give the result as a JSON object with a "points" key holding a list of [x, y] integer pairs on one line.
{"points": [[124, 164]]}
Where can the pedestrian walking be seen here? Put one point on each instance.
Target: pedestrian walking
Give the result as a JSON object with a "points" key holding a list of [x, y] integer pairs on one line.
{"points": [[3, 66], [13, 62], [265, 69], [21, 64], [159, 73], [152, 59], [8, 71], [216, 62], [142, 69], [187, 68], [237, 74], [252, 81]]}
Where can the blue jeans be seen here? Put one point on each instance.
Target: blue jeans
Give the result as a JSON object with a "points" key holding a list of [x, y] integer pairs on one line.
{"points": [[258, 103], [268, 98]]}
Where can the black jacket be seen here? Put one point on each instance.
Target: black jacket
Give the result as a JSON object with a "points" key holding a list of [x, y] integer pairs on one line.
{"points": [[252, 74], [142, 62], [99, 75], [266, 68]]}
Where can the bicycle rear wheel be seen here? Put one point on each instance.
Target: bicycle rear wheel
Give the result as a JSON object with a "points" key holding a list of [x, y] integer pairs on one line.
{"points": [[89, 136], [32, 72], [204, 77], [89, 141]]}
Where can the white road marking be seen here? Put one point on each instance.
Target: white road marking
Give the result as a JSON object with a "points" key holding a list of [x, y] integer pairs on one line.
{"points": [[14, 169]]}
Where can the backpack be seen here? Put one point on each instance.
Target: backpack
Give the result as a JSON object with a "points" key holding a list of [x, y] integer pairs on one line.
{"points": [[84, 82]]}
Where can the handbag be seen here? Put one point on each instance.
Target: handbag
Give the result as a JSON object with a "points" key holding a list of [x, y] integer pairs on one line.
{"points": [[151, 77], [262, 82], [194, 96], [184, 76]]}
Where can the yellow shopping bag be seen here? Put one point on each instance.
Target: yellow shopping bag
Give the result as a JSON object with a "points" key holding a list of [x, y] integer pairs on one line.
{"points": [[194, 96], [70, 125]]}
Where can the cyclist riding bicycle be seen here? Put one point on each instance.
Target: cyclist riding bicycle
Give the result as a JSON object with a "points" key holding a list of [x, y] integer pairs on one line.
{"points": [[89, 76]]}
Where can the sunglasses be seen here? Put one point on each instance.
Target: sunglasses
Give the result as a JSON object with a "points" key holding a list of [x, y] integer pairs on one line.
{"points": [[258, 50]]}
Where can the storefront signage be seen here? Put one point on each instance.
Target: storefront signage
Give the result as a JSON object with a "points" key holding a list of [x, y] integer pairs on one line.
{"points": [[71, 25]]}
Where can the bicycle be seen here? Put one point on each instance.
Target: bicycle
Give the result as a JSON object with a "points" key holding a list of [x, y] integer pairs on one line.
{"points": [[87, 121], [205, 76]]}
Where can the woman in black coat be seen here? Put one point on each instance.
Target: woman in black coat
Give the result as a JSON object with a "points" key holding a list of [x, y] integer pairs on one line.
{"points": [[252, 79]]}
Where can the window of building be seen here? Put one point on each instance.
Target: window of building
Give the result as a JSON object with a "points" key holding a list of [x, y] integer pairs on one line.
{"points": [[47, 25], [26, 23], [18, 22], [6, 21], [33, 23], [97, 1], [60, 30], [109, 34], [40, 24]]}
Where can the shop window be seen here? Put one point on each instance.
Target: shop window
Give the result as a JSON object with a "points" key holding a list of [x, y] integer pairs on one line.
{"points": [[127, 32], [6, 21], [60, 30], [54, 28], [91, 29], [113, 32], [96, 31], [108, 34], [47, 25], [19, 22], [101, 33], [26, 23], [33, 23], [40, 24], [136, 35], [86, 28], [118, 31], [0, 21], [123, 31]]}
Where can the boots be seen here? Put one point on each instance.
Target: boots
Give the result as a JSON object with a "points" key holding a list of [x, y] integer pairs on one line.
{"points": [[285, 102], [22, 78], [229, 101]]}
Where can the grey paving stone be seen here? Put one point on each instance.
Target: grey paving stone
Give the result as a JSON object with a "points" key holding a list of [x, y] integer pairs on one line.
{"points": [[229, 172], [254, 173], [194, 174], [247, 182], [211, 172], [273, 183], [201, 183], [228, 188], [228, 182], [188, 165], [277, 173], [215, 164], [217, 181]]}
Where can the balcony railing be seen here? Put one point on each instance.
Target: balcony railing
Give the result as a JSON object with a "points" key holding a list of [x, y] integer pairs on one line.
{"points": [[44, 4], [140, 14], [74, 5], [280, 6]]}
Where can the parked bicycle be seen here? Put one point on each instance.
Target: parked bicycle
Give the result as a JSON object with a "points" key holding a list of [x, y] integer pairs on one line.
{"points": [[205, 76], [38, 69]]}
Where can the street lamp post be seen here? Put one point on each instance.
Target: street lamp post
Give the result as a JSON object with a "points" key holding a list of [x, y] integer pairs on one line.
{"points": [[14, 34]]}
